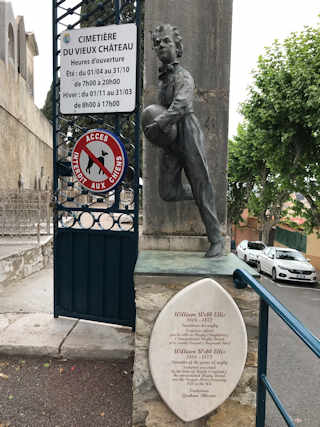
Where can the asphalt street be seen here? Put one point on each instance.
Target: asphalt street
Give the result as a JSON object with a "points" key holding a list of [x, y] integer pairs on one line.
{"points": [[44, 392], [293, 370]]}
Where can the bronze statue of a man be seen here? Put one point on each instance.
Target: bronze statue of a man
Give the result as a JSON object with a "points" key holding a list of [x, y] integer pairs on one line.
{"points": [[187, 151]]}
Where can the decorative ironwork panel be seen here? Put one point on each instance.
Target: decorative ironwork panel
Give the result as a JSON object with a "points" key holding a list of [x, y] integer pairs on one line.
{"points": [[76, 207]]}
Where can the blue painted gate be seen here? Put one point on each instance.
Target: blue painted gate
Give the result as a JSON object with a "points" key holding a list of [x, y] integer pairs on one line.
{"points": [[95, 234]]}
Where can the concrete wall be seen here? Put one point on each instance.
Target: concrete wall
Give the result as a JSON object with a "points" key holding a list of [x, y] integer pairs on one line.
{"points": [[7, 20], [244, 233], [26, 134], [205, 27], [313, 249]]}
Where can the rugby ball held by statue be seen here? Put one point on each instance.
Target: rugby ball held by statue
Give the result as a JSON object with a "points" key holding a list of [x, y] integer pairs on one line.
{"points": [[161, 139]]}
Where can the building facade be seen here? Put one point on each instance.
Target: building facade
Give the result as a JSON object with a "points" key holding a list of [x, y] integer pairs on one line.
{"points": [[26, 134]]}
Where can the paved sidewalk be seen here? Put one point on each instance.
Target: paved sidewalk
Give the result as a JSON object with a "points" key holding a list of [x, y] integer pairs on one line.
{"points": [[27, 325]]}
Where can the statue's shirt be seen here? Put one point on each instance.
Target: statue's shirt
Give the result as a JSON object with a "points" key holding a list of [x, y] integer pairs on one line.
{"points": [[176, 93]]}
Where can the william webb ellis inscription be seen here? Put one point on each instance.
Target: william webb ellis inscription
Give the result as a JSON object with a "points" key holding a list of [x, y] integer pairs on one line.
{"points": [[198, 349], [175, 128]]}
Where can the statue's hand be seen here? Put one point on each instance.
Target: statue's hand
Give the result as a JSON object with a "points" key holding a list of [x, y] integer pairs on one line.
{"points": [[152, 131]]}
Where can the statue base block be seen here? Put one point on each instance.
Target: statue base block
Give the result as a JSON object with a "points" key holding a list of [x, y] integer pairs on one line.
{"points": [[178, 243], [159, 275]]}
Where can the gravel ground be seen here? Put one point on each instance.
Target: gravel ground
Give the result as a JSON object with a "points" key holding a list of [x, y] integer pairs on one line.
{"points": [[42, 392]]}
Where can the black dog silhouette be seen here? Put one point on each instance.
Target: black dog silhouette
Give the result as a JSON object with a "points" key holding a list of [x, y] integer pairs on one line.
{"points": [[101, 160]]}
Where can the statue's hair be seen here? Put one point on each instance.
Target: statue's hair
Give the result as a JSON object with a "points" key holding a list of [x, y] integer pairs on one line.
{"points": [[176, 36]]}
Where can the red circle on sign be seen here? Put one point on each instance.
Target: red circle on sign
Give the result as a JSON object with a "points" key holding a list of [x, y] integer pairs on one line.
{"points": [[99, 160]]}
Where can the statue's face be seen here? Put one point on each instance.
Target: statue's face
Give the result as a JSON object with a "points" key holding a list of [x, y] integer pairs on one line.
{"points": [[165, 47]]}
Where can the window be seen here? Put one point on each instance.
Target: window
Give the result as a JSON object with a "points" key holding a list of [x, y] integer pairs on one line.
{"points": [[11, 43], [256, 246]]}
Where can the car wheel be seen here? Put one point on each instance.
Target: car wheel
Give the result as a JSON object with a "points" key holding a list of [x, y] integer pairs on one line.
{"points": [[274, 275], [259, 268]]}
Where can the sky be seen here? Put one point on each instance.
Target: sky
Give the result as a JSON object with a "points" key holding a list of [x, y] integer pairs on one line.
{"points": [[256, 24]]}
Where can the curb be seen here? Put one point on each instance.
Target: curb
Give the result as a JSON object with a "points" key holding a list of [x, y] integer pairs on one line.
{"points": [[40, 334]]}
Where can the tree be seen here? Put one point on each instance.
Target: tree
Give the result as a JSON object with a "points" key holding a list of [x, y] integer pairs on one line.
{"points": [[252, 183], [240, 177], [284, 104]]}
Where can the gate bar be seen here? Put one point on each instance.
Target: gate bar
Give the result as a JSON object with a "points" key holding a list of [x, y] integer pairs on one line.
{"points": [[241, 279], [277, 402], [262, 361]]}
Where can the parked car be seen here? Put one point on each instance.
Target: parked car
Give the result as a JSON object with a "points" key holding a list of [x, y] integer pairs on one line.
{"points": [[248, 250], [286, 264]]}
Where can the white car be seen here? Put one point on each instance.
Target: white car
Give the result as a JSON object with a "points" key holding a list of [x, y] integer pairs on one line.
{"points": [[249, 250], [286, 264]]}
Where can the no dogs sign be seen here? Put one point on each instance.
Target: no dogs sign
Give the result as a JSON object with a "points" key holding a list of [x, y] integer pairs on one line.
{"points": [[99, 160]]}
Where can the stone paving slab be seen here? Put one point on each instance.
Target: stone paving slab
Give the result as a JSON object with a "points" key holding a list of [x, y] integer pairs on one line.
{"points": [[34, 334], [94, 340]]}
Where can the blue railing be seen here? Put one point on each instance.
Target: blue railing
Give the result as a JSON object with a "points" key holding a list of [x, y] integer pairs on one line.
{"points": [[241, 279]]}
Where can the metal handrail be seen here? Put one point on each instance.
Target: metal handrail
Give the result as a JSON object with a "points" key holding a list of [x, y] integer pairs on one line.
{"points": [[241, 279]]}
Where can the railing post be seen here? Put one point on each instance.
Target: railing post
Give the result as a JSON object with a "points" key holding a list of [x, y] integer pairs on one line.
{"points": [[262, 363]]}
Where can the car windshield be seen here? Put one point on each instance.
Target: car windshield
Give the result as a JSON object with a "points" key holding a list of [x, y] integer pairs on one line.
{"points": [[290, 256], [256, 245]]}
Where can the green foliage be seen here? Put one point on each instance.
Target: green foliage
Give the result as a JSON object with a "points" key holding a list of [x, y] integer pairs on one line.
{"points": [[47, 108], [240, 176], [252, 183], [283, 107], [96, 12]]}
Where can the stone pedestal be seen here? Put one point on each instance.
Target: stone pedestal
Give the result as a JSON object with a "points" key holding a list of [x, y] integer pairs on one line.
{"points": [[159, 275], [205, 27]]}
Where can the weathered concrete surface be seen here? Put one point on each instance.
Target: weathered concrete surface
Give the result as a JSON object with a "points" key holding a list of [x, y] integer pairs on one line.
{"points": [[35, 334], [188, 264], [93, 340], [178, 243], [206, 30], [27, 325], [26, 134], [20, 262], [153, 290]]}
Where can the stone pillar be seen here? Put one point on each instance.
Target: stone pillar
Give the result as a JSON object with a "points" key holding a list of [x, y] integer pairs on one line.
{"points": [[205, 26], [159, 275]]}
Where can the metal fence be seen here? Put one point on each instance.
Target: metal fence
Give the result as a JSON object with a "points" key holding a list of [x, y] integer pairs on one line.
{"points": [[25, 213], [241, 279]]}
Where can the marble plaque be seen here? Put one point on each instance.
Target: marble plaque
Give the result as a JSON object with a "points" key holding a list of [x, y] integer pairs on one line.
{"points": [[198, 349]]}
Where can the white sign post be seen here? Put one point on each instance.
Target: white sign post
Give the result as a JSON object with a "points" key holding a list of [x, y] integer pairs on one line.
{"points": [[98, 69]]}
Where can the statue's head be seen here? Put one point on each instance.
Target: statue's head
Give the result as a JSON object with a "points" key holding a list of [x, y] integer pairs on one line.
{"points": [[167, 43]]}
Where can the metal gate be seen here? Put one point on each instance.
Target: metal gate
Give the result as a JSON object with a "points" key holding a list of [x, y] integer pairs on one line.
{"points": [[95, 234]]}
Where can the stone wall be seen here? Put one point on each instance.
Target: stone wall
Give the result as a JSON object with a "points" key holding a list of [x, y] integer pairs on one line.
{"points": [[25, 262], [26, 134], [152, 293]]}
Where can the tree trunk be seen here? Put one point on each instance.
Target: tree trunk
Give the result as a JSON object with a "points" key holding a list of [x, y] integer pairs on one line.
{"points": [[266, 229]]}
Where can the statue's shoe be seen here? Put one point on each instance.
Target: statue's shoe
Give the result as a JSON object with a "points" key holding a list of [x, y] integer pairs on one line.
{"points": [[215, 250]]}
